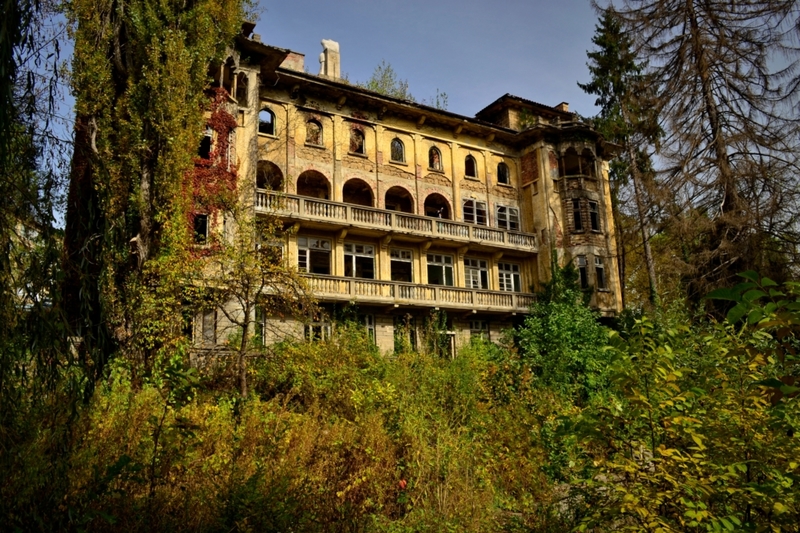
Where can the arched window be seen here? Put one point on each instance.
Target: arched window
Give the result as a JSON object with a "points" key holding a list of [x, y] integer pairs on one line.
{"points": [[437, 206], [356, 141], [470, 167], [313, 132], [399, 199], [503, 175], [435, 159], [269, 176], [358, 192], [398, 151], [313, 185], [266, 122]]}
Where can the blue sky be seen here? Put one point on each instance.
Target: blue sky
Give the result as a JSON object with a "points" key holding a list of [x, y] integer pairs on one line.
{"points": [[473, 50]]}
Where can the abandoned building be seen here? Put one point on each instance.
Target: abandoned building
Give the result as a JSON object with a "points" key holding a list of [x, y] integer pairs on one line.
{"points": [[402, 208]]}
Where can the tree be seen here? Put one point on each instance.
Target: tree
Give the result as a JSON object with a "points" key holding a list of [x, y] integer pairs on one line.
{"points": [[140, 71], [384, 80], [730, 148], [626, 117]]}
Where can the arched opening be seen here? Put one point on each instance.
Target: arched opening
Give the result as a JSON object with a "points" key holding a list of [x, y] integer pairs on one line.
{"points": [[503, 174], [434, 159], [358, 192], [314, 185], [587, 163], [241, 90], [399, 199], [570, 163], [437, 206], [269, 176], [357, 141], [266, 122], [314, 133], [398, 151], [470, 167]]}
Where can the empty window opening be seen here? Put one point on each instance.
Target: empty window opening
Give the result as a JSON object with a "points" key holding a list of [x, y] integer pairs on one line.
{"points": [[359, 261], [570, 162], [357, 141], [470, 167], [314, 255], [582, 274], [313, 184], [209, 328], [398, 151], [266, 122], [435, 159], [269, 176], [508, 217], [476, 273], [600, 273], [503, 174], [204, 150], [319, 329], [357, 192], [577, 222], [241, 90], [509, 277], [402, 262], [475, 212], [405, 333], [201, 228], [260, 327], [594, 216], [314, 133], [588, 164], [368, 321], [440, 269], [437, 206], [399, 199], [479, 329]]}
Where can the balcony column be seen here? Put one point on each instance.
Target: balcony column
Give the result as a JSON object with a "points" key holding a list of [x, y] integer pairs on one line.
{"points": [[337, 253], [457, 174], [420, 159], [460, 275], [380, 200], [422, 263], [338, 139], [494, 272], [384, 266]]}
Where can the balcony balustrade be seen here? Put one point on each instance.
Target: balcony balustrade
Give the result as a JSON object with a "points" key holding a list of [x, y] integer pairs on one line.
{"points": [[292, 206], [369, 291]]}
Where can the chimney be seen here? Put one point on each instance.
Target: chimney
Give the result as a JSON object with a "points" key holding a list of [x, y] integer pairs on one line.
{"points": [[563, 106], [329, 59]]}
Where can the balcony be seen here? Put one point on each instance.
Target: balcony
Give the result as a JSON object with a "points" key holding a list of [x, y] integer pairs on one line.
{"points": [[369, 291], [313, 209]]}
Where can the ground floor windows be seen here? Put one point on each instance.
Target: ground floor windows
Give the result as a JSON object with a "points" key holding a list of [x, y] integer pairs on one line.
{"points": [[479, 328], [314, 255], [600, 273], [318, 329], [440, 269], [476, 273], [209, 328], [509, 277], [368, 321], [359, 261], [401, 264], [583, 274]]}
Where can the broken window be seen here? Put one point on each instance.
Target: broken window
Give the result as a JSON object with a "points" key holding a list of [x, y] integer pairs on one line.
{"points": [[509, 277], [508, 218], [576, 215], [470, 167], [434, 159], [582, 274], [201, 228], [479, 328], [571, 163], [204, 150], [440, 269], [503, 174], [314, 255], [359, 261], [476, 273], [402, 265], [599, 273], [314, 133], [356, 141], [475, 212], [209, 328], [594, 216], [398, 151], [266, 122]]}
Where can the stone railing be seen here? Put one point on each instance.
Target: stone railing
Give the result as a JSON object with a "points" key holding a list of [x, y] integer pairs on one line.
{"points": [[303, 208], [369, 291]]}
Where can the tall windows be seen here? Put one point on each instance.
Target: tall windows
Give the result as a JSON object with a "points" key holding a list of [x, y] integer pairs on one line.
{"points": [[266, 122], [435, 159], [470, 167], [508, 217], [576, 215], [600, 273], [359, 260], [201, 228], [314, 255], [398, 151], [476, 273], [594, 216], [583, 274], [440, 269], [402, 264], [503, 174], [313, 133], [209, 328], [475, 212], [357, 141], [509, 277], [204, 151]]}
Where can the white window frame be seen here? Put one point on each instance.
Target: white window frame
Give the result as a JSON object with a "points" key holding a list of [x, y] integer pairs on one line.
{"points": [[476, 273], [353, 251], [600, 274], [509, 277], [594, 216], [475, 212], [308, 245], [445, 262], [402, 255], [507, 217]]}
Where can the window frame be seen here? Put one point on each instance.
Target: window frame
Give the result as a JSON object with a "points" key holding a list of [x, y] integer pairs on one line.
{"points": [[509, 279], [260, 124], [475, 209], [600, 274], [583, 274], [308, 248], [399, 258], [577, 215], [208, 327], [594, 215], [476, 270], [510, 220], [201, 238], [313, 121], [440, 166], [506, 171], [402, 151], [351, 250], [357, 133], [474, 161], [446, 263]]}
